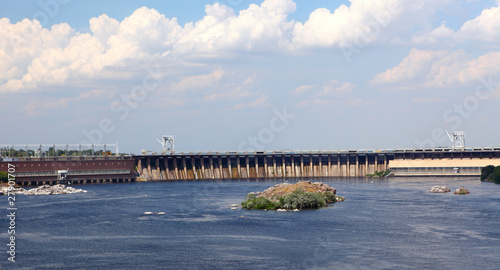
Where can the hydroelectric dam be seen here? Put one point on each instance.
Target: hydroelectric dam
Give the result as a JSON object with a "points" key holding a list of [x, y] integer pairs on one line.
{"points": [[320, 163], [51, 164]]}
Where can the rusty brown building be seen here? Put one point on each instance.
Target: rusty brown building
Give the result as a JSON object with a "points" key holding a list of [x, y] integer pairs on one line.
{"points": [[74, 170]]}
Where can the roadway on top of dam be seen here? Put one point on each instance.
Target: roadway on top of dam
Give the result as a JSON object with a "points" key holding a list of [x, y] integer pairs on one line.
{"points": [[327, 152]]}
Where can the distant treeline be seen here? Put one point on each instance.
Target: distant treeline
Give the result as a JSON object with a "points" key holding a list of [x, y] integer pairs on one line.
{"points": [[491, 174], [51, 152]]}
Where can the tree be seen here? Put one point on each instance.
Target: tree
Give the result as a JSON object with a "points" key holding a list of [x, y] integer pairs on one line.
{"points": [[491, 173], [495, 176], [487, 171], [4, 177]]}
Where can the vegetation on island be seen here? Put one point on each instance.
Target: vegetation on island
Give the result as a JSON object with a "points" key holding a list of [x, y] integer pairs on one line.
{"points": [[302, 195], [298, 199], [379, 174], [491, 174]]}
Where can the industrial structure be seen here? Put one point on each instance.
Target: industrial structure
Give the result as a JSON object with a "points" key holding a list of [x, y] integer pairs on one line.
{"points": [[167, 144], [457, 139], [39, 164]]}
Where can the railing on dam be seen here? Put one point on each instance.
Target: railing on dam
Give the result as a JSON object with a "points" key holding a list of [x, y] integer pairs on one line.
{"points": [[345, 151]]}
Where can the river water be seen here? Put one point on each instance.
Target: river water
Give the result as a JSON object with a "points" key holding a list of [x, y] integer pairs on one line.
{"points": [[383, 224]]}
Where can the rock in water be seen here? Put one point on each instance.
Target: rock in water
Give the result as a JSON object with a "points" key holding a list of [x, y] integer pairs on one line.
{"points": [[52, 190], [439, 189], [462, 191], [13, 190]]}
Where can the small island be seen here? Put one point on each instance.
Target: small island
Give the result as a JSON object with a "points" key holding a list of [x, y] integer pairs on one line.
{"points": [[491, 174], [461, 191], [439, 189], [285, 196]]}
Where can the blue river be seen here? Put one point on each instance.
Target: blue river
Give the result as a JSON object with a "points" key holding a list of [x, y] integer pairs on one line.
{"points": [[390, 223]]}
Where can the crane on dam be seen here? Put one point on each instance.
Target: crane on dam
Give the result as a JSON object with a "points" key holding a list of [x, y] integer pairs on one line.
{"points": [[167, 144], [457, 139]]}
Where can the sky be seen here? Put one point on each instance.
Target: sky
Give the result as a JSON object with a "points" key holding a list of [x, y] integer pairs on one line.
{"points": [[236, 75]]}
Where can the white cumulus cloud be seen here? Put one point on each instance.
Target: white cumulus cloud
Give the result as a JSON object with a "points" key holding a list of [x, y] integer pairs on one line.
{"points": [[442, 69], [485, 27], [33, 58], [361, 22]]}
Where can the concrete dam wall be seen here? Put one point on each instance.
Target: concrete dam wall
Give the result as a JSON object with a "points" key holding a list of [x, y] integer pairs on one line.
{"points": [[259, 165], [337, 163]]}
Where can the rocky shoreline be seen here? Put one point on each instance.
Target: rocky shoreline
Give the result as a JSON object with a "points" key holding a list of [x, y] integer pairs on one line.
{"points": [[43, 190]]}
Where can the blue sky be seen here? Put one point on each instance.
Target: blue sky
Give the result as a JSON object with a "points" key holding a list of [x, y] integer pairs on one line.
{"points": [[250, 75]]}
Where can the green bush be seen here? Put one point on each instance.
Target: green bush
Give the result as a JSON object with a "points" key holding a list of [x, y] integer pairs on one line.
{"points": [[495, 176], [252, 202], [379, 174], [300, 199], [491, 173], [4, 177], [487, 171]]}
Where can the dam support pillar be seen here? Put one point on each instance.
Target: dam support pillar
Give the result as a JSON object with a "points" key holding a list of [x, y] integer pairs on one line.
{"points": [[339, 169], [184, 168], [356, 169], [202, 163], [348, 172], [329, 169], [275, 172], [229, 167], [301, 165], [211, 163], [176, 168], [366, 165], [247, 163], [311, 165], [221, 172], [266, 171], [320, 166], [238, 165], [256, 166], [283, 166]]}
